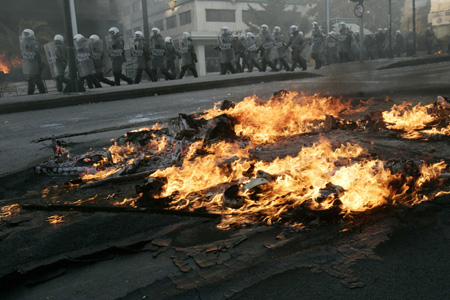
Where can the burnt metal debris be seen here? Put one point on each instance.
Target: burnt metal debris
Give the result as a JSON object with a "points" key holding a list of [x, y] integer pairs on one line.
{"points": [[185, 129]]}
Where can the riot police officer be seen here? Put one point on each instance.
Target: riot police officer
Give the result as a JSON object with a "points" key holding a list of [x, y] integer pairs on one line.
{"points": [[429, 38], [171, 56], [85, 62], [57, 60], [226, 53], [267, 49], [239, 49], [96, 45], [399, 43], [140, 53], [158, 55], [250, 53], [280, 45], [32, 65], [297, 43], [188, 56], [331, 48], [317, 45], [117, 55], [344, 43]]}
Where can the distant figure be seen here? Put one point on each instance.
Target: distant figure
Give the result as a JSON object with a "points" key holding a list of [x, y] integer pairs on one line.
{"points": [[410, 43], [238, 48], [250, 53], [344, 43], [32, 65], [158, 55], [269, 53], [57, 60], [171, 56], [331, 48], [380, 39], [85, 62], [226, 53], [188, 56], [280, 45], [297, 43], [429, 38], [140, 54], [96, 45], [399, 43], [318, 41], [116, 53]]}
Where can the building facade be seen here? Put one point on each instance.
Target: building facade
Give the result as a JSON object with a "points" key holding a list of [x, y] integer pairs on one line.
{"points": [[439, 17], [202, 18]]}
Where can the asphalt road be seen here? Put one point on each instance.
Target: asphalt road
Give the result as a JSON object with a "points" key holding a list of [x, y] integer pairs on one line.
{"points": [[402, 256], [355, 80]]}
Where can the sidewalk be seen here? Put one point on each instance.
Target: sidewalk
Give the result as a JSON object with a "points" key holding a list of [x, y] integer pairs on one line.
{"points": [[146, 89]]}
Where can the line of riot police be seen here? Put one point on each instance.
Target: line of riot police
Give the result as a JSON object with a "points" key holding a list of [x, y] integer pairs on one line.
{"points": [[237, 53], [158, 55]]}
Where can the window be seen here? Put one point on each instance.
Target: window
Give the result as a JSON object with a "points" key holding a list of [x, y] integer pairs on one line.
{"points": [[185, 18], [171, 22], [159, 24], [220, 15]]}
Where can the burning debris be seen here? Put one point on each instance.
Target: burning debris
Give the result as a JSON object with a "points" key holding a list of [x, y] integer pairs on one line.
{"points": [[211, 162]]}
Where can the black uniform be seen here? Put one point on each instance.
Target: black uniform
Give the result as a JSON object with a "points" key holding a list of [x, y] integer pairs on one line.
{"points": [[158, 57], [61, 61], [118, 58], [188, 57], [297, 44], [171, 56]]}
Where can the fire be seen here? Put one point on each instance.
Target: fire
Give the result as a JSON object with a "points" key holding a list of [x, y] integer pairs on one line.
{"points": [[264, 122], [6, 65], [297, 180], [56, 219], [120, 156], [227, 178], [438, 52], [9, 210], [408, 118]]}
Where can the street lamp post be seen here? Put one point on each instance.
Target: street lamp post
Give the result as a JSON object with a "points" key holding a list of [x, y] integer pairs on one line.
{"points": [[414, 25], [390, 30], [74, 85], [328, 16], [145, 20]]}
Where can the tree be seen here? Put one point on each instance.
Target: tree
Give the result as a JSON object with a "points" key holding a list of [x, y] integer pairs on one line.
{"points": [[274, 13]]}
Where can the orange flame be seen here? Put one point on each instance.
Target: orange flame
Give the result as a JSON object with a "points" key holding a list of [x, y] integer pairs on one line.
{"points": [[299, 179], [6, 65], [264, 122], [407, 118], [56, 219], [9, 210]]}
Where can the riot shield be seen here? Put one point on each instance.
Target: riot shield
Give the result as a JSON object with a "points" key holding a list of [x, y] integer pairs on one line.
{"points": [[280, 46], [114, 50], [270, 52], [186, 56], [158, 53], [137, 52], [50, 53], [97, 54], [85, 61], [226, 52], [29, 49]]}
